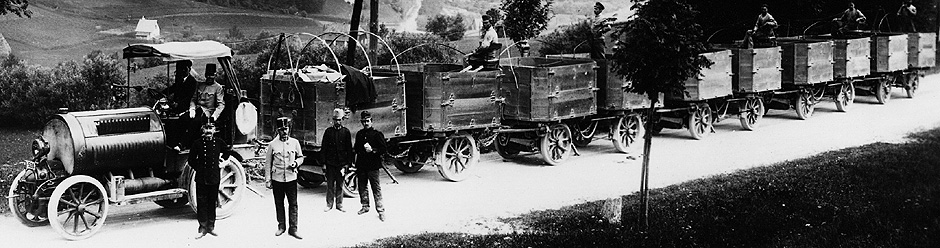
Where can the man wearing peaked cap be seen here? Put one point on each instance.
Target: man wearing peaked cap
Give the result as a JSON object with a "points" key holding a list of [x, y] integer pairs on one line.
{"points": [[369, 147], [204, 159], [282, 158], [208, 101], [338, 153]]}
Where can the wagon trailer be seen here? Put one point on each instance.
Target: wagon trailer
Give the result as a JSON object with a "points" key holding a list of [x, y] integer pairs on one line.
{"points": [[807, 76], [451, 114], [543, 98], [85, 162]]}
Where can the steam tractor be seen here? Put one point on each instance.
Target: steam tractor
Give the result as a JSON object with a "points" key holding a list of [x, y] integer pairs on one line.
{"points": [[85, 162]]}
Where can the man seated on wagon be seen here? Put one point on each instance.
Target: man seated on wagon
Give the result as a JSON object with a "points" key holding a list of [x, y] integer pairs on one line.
{"points": [[178, 96], [851, 19], [207, 103], [763, 31], [489, 44]]}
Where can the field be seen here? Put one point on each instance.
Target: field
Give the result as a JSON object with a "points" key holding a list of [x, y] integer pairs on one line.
{"points": [[876, 195]]}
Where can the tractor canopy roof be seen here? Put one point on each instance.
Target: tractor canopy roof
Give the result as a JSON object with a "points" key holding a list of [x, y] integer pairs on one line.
{"points": [[175, 51]]}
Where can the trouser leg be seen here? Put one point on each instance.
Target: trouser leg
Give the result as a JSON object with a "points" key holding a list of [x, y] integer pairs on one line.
{"points": [[278, 188], [334, 186], [362, 181], [205, 206], [291, 192], [376, 190]]}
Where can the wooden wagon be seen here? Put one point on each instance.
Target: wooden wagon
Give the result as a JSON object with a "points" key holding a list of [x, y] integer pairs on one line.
{"points": [[543, 98], [807, 73], [695, 107]]}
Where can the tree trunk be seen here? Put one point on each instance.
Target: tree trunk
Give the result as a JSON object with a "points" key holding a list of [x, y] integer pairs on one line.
{"points": [[354, 32], [645, 174]]}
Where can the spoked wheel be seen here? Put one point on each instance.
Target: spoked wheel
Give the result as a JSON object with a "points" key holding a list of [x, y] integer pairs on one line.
{"points": [[24, 204], [805, 105], [584, 132], [456, 156], [700, 121], [502, 146], [78, 207], [350, 184], [231, 187], [410, 165], [845, 97], [912, 84], [753, 112], [883, 91], [626, 132], [556, 144]]}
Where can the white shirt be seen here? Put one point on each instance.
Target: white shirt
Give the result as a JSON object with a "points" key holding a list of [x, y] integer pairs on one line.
{"points": [[489, 37]]}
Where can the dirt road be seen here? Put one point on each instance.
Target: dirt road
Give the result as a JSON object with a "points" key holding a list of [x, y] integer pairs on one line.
{"points": [[424, 202]]}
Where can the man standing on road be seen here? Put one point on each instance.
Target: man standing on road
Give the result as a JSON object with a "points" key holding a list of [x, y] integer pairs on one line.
{"points": [[338, 153], [204, 159], [369, 147], [282, 158]]}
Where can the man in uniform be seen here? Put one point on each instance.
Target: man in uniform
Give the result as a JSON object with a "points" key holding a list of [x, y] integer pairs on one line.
{"points": [[906, 15], [208, 101], [180, 95], [204, 159], [369, 147], [282, 158], [338, 153], [599, 27]]}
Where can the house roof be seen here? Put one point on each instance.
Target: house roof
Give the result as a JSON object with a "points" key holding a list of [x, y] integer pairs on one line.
{"points": [[174, 51], [145, 25]]}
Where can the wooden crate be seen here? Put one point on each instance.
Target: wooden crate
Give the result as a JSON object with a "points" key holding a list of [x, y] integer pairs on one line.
{"points": [[807, 62], [889, 52], [440, 98], [756, 69], [852, 57], [305, 102], [712, 82], [922, 50], [613, 94], [547, 89], [388, 112]]}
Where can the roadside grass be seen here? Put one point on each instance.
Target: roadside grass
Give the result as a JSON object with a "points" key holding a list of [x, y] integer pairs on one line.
{"points": [[876, 195], [14, 147]]}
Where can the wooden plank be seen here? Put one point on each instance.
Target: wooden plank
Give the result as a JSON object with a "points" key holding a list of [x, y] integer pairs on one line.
{"points": [[922, 50], [756, 69], [712, 82], [889, 53]]}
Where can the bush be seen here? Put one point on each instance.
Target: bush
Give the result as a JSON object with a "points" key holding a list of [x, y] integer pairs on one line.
{"points": [[569, 39], [447, 27]]}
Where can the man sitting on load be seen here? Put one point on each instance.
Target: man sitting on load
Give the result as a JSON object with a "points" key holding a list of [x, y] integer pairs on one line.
{"points": [[851, 19], [763, 31], [488, 45]]}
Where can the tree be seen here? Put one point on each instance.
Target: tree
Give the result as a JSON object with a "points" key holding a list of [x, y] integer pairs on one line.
{"points": [[657, 51], [448, 27], [525, 18], [494, 15], [17, 7], [235, 33]]}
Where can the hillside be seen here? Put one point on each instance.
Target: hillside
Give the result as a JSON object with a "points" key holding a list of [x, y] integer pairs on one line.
{"points": [[62, 30]]}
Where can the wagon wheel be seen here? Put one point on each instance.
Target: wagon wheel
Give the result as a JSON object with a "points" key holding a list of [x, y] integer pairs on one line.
{"points": [[308, 179], [753, 112], [626, 131], [456, 156], [883, 91], [350, 184], [804, 105], [410, 164], [231, 186], [584, 132], [556, 144], [700, 121], [78, 207], [502, 146], [912, 84], [27, 208], [845, 97]]}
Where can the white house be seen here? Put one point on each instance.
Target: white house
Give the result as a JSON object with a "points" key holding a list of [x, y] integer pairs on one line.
{"points": [[147, 29]]}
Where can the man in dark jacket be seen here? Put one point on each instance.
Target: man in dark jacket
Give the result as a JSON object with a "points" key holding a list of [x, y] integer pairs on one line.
{"points": [[204, 159], [180, 94], [338, 153], [369, 147]]}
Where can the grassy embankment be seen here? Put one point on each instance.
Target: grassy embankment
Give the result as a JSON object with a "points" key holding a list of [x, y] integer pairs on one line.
{"points": [[877, 195]]}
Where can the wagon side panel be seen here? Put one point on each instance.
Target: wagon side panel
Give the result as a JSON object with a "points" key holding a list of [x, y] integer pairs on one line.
{"points": [[819, 64], [571, 91], [386, 119], [516, 87], [921, 50], [473, 104], [712, 82], [858, 57], [897, 57]]}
